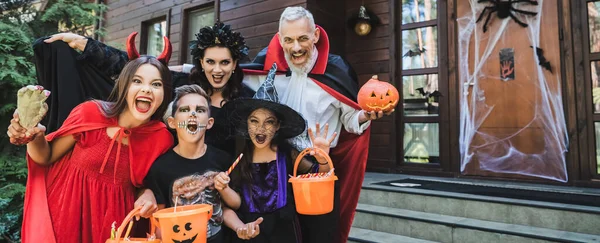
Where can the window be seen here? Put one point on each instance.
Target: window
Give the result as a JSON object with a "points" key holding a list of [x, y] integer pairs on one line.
{"points": [[152, 36], [593, 21], [194, 19], [420, 75]]}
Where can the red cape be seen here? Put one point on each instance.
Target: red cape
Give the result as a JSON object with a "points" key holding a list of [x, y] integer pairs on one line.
{"points": [[350, 154], [147, 142]]}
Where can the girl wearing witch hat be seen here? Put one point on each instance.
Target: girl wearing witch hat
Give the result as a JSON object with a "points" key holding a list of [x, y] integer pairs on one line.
{"points": [[262, 174], [84, 176]]}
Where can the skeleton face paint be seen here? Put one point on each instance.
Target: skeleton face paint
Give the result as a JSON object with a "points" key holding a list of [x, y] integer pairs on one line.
{"points": [[191, 117], [262, 126], [191, 126]]}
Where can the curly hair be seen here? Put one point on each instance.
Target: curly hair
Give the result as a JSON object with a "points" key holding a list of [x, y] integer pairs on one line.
{"points": [[219, 35]]}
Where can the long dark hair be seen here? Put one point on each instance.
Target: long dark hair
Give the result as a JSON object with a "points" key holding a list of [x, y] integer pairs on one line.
{"points": [[232, 88], [219, 35], [242, 174], [117, 100]]}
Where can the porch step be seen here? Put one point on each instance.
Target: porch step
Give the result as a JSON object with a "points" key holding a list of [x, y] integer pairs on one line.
{"points": [[556, 216], [444, 228], [369, 236]]}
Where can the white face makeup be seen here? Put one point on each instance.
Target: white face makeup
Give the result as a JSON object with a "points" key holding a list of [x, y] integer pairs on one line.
{"points": [[191, 126], [191, 118]]}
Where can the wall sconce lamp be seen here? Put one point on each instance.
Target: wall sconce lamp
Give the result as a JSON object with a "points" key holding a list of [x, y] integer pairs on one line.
{"points": [[363, 22]]}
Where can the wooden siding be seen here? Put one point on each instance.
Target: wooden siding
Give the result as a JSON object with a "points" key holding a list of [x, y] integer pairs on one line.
{"points": [[124, 17], [370, 55], [258, 21]]}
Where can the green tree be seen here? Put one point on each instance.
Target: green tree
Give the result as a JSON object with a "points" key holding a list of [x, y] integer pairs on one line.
{"points": [[77, 16], [20, 24], [17, 70]]}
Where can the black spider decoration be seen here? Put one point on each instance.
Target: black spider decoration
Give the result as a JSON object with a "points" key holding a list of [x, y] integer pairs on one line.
{"points": [[504, 10]]}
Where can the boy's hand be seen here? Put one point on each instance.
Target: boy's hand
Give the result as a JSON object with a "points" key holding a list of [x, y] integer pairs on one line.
{"points": [[221, 181], [147, 202], [250, 230]]}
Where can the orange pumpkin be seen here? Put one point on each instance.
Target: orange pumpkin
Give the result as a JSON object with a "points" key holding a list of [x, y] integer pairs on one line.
{"points": [[378, 95]]}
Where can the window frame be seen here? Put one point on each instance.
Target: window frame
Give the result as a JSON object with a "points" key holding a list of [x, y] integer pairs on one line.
{"points": [[186, 10], [589, 163], [144, 30], [446, 163]]}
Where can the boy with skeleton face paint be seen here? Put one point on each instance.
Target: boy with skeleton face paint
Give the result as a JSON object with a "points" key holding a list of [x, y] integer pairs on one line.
{"points": [[185, 174]]}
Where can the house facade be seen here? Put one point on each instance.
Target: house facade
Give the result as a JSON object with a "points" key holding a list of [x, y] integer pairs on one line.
{"points": [[515, 98]]}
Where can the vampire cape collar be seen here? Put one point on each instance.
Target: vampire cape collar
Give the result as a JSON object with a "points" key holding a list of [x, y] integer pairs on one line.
{"points": [[329, 70]]}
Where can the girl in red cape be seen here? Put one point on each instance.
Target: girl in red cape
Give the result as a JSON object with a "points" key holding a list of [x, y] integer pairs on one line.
{"points": [[84, 176]]}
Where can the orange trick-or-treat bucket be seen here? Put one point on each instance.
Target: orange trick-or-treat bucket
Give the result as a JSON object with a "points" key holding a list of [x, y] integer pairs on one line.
{"points": [[313, 193], [116, 238], [184, 223]]}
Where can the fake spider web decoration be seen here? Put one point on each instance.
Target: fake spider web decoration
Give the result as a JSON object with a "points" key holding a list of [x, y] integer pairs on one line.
{"points": [[536, 142]]}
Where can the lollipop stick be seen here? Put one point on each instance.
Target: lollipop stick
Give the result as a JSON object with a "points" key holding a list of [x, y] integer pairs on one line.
{"points": [[234, 164]]}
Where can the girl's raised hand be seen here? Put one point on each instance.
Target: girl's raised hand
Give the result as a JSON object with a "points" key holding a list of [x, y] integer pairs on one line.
{"points": [[319, 139]]}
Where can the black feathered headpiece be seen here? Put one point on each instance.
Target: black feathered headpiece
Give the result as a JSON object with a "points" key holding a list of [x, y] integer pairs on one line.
{"points": [[218, 35]]}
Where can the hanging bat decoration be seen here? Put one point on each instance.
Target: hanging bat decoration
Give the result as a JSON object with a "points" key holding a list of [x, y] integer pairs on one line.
{"points": [[542, 59], [504, 9], [431, 97], [414, 53]]}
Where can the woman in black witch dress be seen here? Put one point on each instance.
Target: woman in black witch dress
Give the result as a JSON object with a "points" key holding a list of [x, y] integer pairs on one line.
{"points": [[75, 77]]}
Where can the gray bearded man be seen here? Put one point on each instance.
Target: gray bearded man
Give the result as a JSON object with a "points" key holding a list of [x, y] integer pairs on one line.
{"points": [[323, 88]]}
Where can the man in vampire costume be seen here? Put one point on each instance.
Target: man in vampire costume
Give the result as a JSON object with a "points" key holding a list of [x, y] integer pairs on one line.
{"points": [[323, 88]]}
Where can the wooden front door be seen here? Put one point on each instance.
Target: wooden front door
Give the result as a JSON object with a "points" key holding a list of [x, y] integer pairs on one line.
{"points": [[512, 120]]}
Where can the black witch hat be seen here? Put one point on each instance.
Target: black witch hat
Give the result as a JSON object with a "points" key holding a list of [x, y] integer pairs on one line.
{"points": [[291, 123]]}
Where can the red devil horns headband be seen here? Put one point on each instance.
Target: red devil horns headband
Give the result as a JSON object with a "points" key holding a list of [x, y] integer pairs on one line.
{"points": [[132, 53]]}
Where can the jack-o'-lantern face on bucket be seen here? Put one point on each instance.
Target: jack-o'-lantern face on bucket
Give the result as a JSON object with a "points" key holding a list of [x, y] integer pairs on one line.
{"points": [[377, 95], [185, 232], [184, 224]]}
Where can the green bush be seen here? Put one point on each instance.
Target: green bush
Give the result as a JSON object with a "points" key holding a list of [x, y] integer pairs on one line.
{"points": [[20, 25], [17, 70]]}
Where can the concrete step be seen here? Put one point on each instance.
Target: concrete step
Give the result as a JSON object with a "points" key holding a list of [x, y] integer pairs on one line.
{"points": [[370, 236], [444, 228], [557, 216]]}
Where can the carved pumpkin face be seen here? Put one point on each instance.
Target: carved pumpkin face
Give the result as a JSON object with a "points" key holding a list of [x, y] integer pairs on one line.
{"points": [[377, 95], [186, 232]]}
